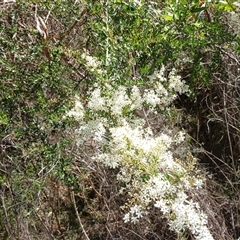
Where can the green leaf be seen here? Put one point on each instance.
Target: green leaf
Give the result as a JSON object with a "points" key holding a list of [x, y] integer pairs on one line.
{"points": [[3, 118], [197, 10]]}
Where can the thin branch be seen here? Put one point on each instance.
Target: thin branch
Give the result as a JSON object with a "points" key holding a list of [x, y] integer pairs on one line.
{"points": [[78, 217], [227, 126]]}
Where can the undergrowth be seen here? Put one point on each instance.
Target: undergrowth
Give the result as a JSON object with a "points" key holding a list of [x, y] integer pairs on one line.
{"points": [[119, 120]]}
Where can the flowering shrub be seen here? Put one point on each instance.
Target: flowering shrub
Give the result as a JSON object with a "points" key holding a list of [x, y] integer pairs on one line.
{"points": [[146, 167], [110, 53]]}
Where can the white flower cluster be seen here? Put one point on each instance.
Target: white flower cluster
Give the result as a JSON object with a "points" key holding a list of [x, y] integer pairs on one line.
{"points": [[96, 101], [187, 214], [136, 98], [77, 111], [118, 101], [91, 63], [144, 161], [94, 130], [113, 103], [161, 92], [164, 90], [134, 214]]}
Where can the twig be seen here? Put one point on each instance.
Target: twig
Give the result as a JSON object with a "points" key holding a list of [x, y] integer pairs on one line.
{"points": [[78, 217], [7, 226], [227, 126], [55, 213], [44, 225]]}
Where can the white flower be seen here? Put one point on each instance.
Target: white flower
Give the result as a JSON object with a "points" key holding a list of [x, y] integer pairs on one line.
{"points": [[91, 63], [77, 111], [186, 183], [176, 84], [165, 139], [136, 98], [180, 137], [137, 3], [198, 183], [158, 75], [136, 210], [99, 133], [151, 97], [126, 217], [189, 216], [96, 102], [124, 175], [134, 214], [109, 160], [160, 89], [93, 129], [119, 100], [165, 209], [164, 90]]}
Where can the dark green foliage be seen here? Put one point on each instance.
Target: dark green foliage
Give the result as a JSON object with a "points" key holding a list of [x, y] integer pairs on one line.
{"points": [[34, 95]]}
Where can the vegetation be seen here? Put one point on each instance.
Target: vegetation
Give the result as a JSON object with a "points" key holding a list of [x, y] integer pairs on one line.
{"points": [[119, 119]]}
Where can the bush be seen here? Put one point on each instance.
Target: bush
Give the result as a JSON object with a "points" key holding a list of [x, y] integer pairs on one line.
{"points": [[133, 75]]}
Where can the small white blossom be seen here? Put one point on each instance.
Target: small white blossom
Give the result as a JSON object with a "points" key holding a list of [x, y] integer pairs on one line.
{"points": [[137, 3], [158, 75], [134, 214], [165, 209], [119, 100], [180, 137], [136, 98], [92, 129], [91, 62], [164, 90], [77, 111], [112, 161], [151, 98], [96, 102], [198, 183], [100, 132], [126, 218]]}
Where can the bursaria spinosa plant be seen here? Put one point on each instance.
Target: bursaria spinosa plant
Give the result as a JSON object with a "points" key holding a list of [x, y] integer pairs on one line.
{"points": [[145, 165]]}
